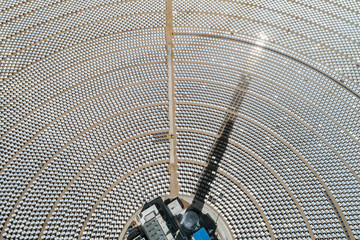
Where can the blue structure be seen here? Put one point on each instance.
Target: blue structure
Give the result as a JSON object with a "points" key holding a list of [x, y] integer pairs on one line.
{"points": [[201, 235]]}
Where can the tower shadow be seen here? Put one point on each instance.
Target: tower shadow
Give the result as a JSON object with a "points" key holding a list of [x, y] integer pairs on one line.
{"points": [[217, 150]]}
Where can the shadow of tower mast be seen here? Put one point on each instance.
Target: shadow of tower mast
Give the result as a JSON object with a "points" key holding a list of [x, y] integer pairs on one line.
{"points": [[217, 150]]}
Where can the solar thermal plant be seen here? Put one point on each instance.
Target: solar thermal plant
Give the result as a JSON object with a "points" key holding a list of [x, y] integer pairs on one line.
{"points": [[114, 114]]}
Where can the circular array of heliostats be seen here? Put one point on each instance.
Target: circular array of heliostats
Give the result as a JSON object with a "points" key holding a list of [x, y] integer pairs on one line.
{"points": [[84, 96]]}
